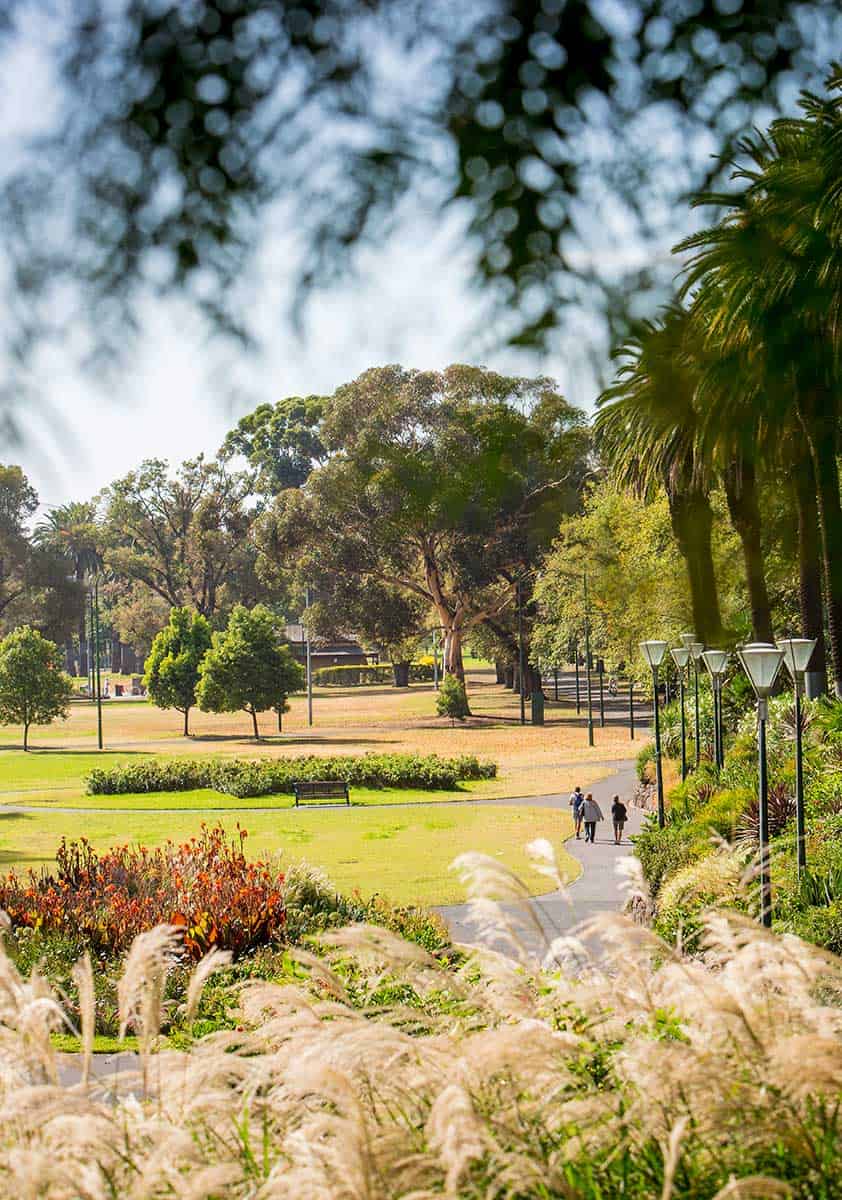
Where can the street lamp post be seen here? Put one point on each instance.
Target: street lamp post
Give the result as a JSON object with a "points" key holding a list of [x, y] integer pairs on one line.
{"points": [[654, 651], [797, 653], [521, 656], [309, 661], [716, 661], [761, 662], [600, 670], [681, 657], [588, 656], [578, 690], [696, 650], [96, 677], [631, 709]]}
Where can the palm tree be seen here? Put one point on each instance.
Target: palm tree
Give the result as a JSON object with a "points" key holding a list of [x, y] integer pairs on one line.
{"points": [[70, 530], [647, 428], [768, 280]]}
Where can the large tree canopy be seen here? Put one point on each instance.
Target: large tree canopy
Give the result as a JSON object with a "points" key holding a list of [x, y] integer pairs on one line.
{"points": [[444, 485], [176, 124], [183, 535]]}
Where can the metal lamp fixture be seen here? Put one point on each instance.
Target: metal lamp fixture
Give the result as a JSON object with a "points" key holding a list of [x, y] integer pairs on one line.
{"points": [[761, 663], [654, 653], [681, 657], [696, 649], [797, 653], [716, 662]]}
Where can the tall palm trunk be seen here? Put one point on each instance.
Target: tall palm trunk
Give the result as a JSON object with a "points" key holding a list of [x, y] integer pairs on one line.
{"points": [[740, 481], [692, 524], [810, 572], [818, 414]]}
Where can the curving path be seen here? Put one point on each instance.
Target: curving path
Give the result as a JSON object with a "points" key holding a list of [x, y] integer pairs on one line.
{"points": [[596, 890]]}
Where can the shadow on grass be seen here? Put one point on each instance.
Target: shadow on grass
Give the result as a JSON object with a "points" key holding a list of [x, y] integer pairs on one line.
{"points": [[285, 739], [39, 751]]}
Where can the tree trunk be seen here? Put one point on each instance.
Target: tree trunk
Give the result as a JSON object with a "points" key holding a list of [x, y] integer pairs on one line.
{"points": [[116, 656], [509, 675], [254, 723], [69, 657], [740, 482], [26, 735], [692, 522], [453, 653], [810, 573], [820, 421], [187, 722], [401, 673], [280, 720], [499, 671], [531, 679]]}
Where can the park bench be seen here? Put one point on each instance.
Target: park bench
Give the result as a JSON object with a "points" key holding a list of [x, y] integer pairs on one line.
{"points": [[325, 789]]}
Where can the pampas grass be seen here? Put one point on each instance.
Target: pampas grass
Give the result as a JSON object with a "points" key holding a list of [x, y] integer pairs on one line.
{"points": [[635, 1073]]}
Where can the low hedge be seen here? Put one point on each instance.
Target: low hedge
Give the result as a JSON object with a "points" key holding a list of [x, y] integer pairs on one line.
{"points": [[359, 675], [269, 776]]}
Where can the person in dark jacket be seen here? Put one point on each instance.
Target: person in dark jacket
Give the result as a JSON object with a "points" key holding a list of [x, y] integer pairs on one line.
{"points": [[619, 816]]}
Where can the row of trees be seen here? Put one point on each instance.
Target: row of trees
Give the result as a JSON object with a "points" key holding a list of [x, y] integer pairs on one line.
{"points": [[246, 666]]}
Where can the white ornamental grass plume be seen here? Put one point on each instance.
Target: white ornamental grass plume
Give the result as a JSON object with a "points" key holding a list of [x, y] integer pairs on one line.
{"points": [[523, 1082]]}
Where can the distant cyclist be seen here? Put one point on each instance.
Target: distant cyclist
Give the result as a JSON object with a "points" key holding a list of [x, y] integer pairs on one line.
{"points": [[612, 686]]}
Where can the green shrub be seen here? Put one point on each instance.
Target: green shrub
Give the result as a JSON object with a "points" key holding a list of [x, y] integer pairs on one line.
{"points": [[662, 852], [721, 814], [276, 776], [451, 700], [820, 925], [362, 674], [645, 756], [714, 881]]}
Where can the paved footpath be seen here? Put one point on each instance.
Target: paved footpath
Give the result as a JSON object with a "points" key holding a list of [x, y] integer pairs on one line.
{"points": [[598, 887]]}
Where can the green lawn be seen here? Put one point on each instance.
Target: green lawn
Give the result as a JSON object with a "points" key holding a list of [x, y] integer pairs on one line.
{"points": [[404, 854]]}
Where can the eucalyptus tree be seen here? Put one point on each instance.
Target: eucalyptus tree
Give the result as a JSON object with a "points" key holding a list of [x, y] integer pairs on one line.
{"points": [[768, 277], [445, 485]]}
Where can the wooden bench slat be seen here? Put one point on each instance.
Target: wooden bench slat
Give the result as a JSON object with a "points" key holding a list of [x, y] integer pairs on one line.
{"points": [[321, 789]]}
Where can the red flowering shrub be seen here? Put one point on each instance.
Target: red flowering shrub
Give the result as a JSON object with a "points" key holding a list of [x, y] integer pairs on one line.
{"points": [[206, 885]]}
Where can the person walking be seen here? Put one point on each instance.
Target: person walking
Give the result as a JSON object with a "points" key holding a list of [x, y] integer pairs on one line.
{"points": [[577, 800], [619, 815], [591, 813]]}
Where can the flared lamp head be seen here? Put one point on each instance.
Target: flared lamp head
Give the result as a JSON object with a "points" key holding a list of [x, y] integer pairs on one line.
{"points": [[687, 639], [654, 652], [680, 656], [797, 653], [761, 662], [716, 661], [697, 649]]}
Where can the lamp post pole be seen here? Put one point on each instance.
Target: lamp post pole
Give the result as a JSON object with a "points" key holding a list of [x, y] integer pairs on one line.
{"points": [[555, 682], [578, 691], [681, 657], [696, 650], [521, 658], [761, 663], [797, 653], [309, 652], [631, 709], [601, 673], [654, 651], [96, 665], [716, 661], [588, 657]]}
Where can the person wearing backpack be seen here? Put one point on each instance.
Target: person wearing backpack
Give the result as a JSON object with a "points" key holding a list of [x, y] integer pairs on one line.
{"points": [[619, 816], [577, 801]]}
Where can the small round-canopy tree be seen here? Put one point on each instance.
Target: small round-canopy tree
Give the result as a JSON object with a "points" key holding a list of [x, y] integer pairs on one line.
{"points": [[172, 668], [248, 666], [33, 688]]}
